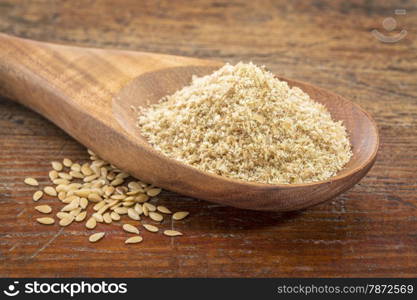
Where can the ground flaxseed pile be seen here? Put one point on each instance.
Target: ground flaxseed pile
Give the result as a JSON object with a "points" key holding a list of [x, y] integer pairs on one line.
{"points": [[244, 123]]}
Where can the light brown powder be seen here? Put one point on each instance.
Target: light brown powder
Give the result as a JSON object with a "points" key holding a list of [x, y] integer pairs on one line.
{"points": [[242, 122]]}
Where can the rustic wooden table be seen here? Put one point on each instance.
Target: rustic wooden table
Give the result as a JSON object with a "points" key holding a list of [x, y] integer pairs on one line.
{"points": [[370, 230]]}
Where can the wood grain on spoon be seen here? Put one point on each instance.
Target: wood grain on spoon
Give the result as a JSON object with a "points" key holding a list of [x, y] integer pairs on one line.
{"points": [[89, 93]]}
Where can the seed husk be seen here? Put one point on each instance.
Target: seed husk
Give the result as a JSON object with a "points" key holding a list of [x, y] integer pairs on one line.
{"points": [[46, 220], [150, 227], [132, 213], [96, 237], [180, 215], [49, 190], [37, 195], [172, 233], [134, 240], [91, 223], [57, 166], [130, 228], [66, 221], [31, 181], [153, 192], [81, 216], [45, 209], [67, 162], [156, 216]]}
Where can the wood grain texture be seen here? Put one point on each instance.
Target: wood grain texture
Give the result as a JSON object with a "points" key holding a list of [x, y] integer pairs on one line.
{"points": [[370, 230]]}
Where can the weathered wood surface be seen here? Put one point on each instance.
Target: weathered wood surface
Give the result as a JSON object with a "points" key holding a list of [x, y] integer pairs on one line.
{"points": [[370, 230]]}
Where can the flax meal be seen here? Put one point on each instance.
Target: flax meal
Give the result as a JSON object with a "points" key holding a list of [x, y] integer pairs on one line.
{"points": [[242, 122]]}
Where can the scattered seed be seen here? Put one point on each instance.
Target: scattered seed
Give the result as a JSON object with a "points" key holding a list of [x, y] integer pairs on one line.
{"points": [[91, 223], [100, 183], [81, 216], [180, 215], [82, 192], [98, 217], [45, 209], [75, 212], [67, 162], [57, 166], [31, 181], [134, 240], [49, 190], [107, 218], [132, 213], [130, 228], [83, 203], [117, 181], [61, 181], [45, 221], [121, 210], [61, 215], [76, 174], [53, 175], [62, 195], [172, 233], [115, 216], [37, 195], [156, 216], [150, 206], [138, 208], [76, 167], [153, 192], [90, 178], [96, 237], [67, 220], [150, 227], [94, 197], [145, 210], [163, 209], [141, 198]]}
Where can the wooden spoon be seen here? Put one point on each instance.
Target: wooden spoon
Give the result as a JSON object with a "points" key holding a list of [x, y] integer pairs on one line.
{"points": [[89, 94]]}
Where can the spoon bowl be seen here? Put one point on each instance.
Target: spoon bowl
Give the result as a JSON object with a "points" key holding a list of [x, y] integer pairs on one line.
{"points": [[90, 94]]}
